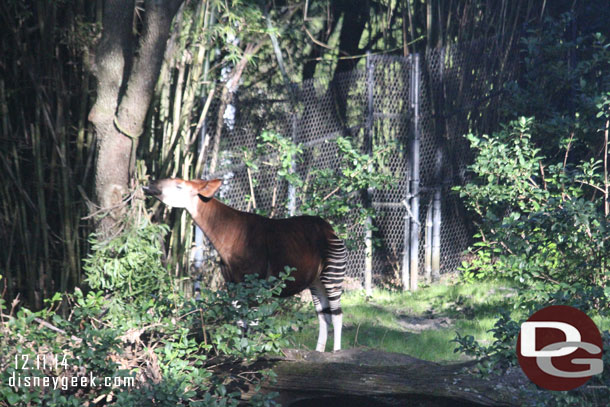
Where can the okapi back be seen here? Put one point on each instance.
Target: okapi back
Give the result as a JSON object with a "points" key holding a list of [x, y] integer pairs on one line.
{"points": [[252, 244]]}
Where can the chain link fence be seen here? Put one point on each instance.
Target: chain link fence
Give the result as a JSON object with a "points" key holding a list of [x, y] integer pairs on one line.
{"points": [[422, 104]]}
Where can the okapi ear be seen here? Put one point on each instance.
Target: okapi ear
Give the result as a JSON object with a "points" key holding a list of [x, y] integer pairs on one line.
{"points": [[209, 188]]}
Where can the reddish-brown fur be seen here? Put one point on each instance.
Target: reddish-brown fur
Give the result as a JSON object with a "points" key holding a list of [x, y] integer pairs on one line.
{"points": [[248, 243], [251, 244]]}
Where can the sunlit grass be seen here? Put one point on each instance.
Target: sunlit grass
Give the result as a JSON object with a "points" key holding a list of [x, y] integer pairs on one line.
{"points": [[421, 324], [387, 319]]}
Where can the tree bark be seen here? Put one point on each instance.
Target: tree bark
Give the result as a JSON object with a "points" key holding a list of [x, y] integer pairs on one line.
{"points": [[368, 377], [125, 88], [113, 57]]}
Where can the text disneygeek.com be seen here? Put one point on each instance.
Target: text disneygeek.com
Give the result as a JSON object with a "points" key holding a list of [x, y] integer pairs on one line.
{"points": [[27, 371]]}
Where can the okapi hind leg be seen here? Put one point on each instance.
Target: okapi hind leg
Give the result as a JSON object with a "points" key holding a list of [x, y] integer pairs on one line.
{"points": [[321, 304], [331, 278]]}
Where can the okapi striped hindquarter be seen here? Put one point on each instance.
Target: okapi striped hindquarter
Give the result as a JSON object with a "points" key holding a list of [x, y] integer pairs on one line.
{"points": [[252, 244]]}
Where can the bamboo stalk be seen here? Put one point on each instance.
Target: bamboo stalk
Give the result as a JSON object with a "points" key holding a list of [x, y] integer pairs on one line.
{"points": [[606, 201], [4, 110], [42, 207]]}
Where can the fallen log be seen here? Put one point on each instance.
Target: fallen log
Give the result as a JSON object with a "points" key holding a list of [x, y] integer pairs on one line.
{"points": [[357, 377]]}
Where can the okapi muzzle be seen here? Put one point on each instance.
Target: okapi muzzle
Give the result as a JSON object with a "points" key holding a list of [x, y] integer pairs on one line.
{"points": [[251, 244]]}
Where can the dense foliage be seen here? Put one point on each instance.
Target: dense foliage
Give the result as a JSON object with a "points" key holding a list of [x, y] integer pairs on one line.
{"points": [[544, 231], [539, 193], [48, 68], [133, 325]]}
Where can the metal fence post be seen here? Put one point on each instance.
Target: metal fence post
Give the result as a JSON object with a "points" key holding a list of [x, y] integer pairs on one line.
{"points": [[414, 197], [292, 192], [438, 176], [436, 217], [436, 235], [368, 240], [428, 245]]}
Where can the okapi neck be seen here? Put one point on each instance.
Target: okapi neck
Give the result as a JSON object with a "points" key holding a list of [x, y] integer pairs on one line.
{"points": [[218, 222]]}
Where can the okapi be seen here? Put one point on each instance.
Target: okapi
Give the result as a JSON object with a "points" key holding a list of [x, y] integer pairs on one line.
{"points": [[248, 243]]}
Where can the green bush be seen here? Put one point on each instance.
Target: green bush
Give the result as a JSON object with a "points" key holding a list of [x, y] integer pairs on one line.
{"points": [[539, 229], [539, 185], [131, 327], [77, 347], [538, 195], [130, 267], [246, 316]]}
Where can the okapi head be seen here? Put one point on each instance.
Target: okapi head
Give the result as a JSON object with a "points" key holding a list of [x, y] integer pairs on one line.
{"points": [[179, 193]]}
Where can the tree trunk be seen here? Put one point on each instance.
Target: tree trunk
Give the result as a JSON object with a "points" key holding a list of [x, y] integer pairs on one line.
{"points": [[354, 22], [357, 377], [355, 17], [226, 96], [125, 88], [113, 58]]}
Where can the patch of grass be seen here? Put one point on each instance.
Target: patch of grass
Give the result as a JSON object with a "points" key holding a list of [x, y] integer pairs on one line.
{"points": [[421, 324]]}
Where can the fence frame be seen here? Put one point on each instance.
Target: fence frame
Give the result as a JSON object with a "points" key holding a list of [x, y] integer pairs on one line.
{"points": [[408, 98]]}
